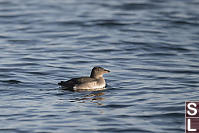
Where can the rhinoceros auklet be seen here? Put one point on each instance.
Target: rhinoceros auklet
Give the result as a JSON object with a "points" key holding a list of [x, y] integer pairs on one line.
{"points": [[94, 82]]}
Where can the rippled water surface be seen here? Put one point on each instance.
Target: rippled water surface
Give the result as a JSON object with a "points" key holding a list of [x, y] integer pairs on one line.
{"points": [[150, 46]]}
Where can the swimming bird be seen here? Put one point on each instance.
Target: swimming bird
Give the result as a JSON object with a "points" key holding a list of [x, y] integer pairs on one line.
{"points": [[94, 82]]}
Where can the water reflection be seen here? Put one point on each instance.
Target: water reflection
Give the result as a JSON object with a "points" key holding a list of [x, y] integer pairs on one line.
{"points": [[93, 97]]}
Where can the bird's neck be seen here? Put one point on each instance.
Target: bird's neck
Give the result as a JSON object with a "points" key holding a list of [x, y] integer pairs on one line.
{"points": [[96, 76]]}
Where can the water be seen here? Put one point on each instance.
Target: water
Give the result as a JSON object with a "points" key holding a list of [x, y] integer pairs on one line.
{"points": [[150, 46]]}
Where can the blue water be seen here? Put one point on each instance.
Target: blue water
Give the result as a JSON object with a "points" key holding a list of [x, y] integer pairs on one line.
{"points": [[150, 46]]}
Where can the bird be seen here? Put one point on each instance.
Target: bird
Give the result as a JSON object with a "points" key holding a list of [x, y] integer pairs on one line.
{"points": [[94, 82]]}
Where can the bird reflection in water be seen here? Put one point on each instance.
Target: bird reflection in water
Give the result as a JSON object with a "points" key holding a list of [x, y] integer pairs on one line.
{"points": [[94, 97]]}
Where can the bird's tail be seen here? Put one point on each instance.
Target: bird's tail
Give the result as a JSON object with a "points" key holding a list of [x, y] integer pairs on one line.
{"points": [[61, 83]]}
